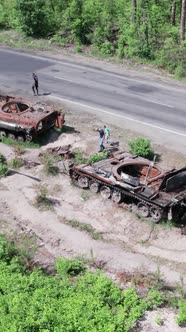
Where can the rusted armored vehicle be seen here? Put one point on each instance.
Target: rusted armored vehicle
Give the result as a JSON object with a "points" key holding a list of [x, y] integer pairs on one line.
{"points": [[21, 120], [127, 178]]}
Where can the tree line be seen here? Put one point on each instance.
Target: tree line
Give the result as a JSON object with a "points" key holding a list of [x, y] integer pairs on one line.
{"points": [[145, 29]]}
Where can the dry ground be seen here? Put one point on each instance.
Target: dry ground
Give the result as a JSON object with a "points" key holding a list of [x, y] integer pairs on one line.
{"points": [[125, 242]]}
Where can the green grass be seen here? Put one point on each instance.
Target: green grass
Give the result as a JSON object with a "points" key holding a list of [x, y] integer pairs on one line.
{"points": [[13, 38], [84, 227], [49, 163], [16, 163], [12, 142], [42, 202]]}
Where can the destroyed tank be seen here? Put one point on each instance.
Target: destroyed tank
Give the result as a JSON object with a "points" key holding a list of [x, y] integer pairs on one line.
{"points": [[21, 120], [123, 177]]}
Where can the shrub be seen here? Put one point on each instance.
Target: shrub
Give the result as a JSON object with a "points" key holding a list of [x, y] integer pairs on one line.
{"points": [[79, 158], [16, 162], [3, 170], [141, 147], [69, 267], [2, 158], [180, 71], [181, 319], [107, 48], [93, 158], [155, 298], [42, 201], [49, 161]]}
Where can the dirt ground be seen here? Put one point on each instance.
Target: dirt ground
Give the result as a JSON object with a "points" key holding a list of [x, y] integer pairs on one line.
{"points": [[125, 244]]}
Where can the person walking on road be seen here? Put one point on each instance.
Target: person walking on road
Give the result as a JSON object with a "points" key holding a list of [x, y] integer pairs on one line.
{"points": [[101, 139], [107, 134], [35, 86]]}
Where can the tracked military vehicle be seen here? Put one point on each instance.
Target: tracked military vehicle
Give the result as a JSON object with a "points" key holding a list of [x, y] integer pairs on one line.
{"points": [[21, 120], [123, 177]]}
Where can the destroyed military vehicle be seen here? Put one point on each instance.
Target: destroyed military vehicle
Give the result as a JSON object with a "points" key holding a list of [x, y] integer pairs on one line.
{"points": [[123, 177], [21, 120]]}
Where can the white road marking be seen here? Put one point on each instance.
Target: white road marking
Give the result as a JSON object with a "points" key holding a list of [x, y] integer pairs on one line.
{"points": [[120, 116], [156, 102], [65, 79], [140, 97]]}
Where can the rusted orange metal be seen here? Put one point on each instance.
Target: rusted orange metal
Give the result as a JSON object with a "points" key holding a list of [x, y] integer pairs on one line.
{"points": [[22, 120], [127, 178]]}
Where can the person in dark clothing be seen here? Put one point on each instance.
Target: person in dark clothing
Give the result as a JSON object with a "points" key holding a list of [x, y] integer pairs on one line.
{"points": [[35, 86], [101, 139]]}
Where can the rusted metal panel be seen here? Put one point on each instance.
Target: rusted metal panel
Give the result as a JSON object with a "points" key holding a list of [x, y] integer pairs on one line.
{"points": [[20, 118], [156, 192]]}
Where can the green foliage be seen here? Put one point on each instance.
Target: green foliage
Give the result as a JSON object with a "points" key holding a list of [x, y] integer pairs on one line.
{"points": [[42, 201], [72, 300], [180, 71], [159, 320], [3, 166], [16, 162], [11, 142], [93, 158], [78, 157], [84, 227], [2, 158], [49, 161], [35, 18], [69, 267], [141, 147], [155, 299], [112, 27], [181, 319]]}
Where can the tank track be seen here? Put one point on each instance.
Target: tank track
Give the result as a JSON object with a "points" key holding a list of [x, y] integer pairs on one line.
{"points": [[125, 193]]}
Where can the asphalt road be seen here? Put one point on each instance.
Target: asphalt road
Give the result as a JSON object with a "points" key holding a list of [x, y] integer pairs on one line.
{"points": [[149, 107]]}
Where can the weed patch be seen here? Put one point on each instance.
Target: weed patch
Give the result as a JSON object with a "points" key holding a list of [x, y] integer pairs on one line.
{"points": [[84, 227], [78, 157], [93, 158], [3, 166], [42, 201], [16, 162], [141, 147], [49, 162]]}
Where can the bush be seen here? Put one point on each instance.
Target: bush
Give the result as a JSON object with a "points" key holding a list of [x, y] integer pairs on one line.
{"points": [[93, 158], [35, 17], [3, 170], [180, 71], [79, 158], [2, 158], [16, 162], [181, 319], [42, 201], [69, 267], [155, 298], [141, 147], [49, 161]]}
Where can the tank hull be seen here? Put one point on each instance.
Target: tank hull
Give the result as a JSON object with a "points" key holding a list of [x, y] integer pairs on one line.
{"points": [[20, 119], [153, 192]]}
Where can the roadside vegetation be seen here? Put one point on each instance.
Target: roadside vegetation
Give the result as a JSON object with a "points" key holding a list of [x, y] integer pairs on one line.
{"points": [[3, 166], [32, 300], [85, 228], [146, 31], [141, 147]]}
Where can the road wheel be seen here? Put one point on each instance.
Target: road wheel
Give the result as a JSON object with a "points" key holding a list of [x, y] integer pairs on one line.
{"points": [[142, 210], [156, 214], [10, 135], [116, 196], [94, 186], [20, 138], [105, 192], [83, 181], [2, 133]]}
